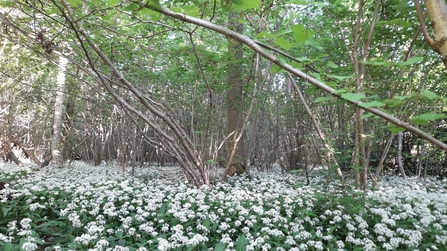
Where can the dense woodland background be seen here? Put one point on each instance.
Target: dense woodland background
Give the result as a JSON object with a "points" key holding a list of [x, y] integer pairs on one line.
{"points": [[132, 83]]}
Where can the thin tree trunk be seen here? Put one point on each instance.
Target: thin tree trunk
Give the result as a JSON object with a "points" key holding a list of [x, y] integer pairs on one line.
{"points": [[382, 159], [28, 151], [399, 154], [6, 137], [360, 160], [421, 153], [56, 139], [329, 149], [177, 145]]}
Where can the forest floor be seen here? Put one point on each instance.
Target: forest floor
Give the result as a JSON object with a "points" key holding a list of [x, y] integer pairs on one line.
{"points": [[102, 208]]}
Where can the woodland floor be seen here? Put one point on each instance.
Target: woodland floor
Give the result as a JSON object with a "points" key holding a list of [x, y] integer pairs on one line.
{"points": [[102, 208]]}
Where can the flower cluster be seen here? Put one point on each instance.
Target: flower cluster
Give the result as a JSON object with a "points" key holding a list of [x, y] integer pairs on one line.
{"points": [[102, 208]]}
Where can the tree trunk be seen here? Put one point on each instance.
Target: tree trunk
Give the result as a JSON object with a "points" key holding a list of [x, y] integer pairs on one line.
{"points": [[56, 139], [329, 149], [421, 158], [437, 12], [399, 154], [6, 136], [360, 158], [382, 159], [235, 103], [28, 151]]}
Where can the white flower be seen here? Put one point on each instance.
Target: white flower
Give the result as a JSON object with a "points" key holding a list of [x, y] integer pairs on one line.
{"points": [[101, 244], [266, 247], [84, 239], [25, 223], [290, 241], [120, 248], [223, 226], [28, 246], [197, 238], [225, 238], [12, 225], [74, 218], [340, 244], [5, 238], [163, 244]]}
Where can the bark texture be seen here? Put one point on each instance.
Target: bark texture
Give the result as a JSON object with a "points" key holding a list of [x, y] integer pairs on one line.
{"points": [[56, 139], [235, 102], [437, 12]]}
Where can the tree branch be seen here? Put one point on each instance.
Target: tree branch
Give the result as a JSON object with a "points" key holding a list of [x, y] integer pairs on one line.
{"points": [[305, 77], [423, 26]]}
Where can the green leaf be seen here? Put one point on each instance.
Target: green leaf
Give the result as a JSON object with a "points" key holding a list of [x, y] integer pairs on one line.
{"points": [[155, 4], [429, 94], [265, 34], [367, 115], [241, 243], [339, 91], [332, 65], [353, 96], [399, 22], [275, 68], [337, 77], [332, 84], [316, 75], [411, 61], [9, 246], [131, 7], [220, 246], [378, 62], [246, 4], [113, 2], [303, 59], [5, 211], [283, 43], [372, 104], [74, 2], [314, 44], [191, 10], [431, 116], [206, 222], [403, 97], [373, 97], [396, 129], [312, 90], [323, 99], [419, 121], [300, 33]]}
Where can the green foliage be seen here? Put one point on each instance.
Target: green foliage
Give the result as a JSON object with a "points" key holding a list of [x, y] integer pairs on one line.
{"points": [[283, 43], [301, 33], [372, 104], [395, 129], [423, 119], [246, 4], [352, 202], [429, 94], [353, 96], [323, 99]]}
